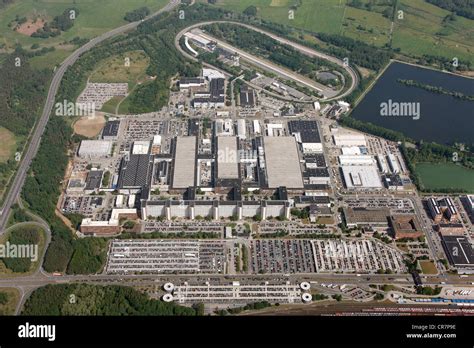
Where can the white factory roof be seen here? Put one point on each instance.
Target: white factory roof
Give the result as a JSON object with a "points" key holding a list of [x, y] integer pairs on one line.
{"points": [[184, 162], [95, 148], [351, 150], [227, 158], [157, 140], [256, 127], [349, 139], [197, 38], [282, 162], [361, 176], [212, 74], [241, 129], [345, 160], [141, 147]]}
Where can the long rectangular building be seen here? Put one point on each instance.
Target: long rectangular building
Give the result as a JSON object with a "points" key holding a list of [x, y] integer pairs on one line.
{"points": [[283, 163], [227, 158], [184, 163]]}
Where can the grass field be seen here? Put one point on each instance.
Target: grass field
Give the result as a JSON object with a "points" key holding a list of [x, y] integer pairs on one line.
{"points": [[7, 144], [95, 17], [446, 175], [321, 15], [114, 69], [428, 267], [111, 106], [13, 298], [421, 31]]}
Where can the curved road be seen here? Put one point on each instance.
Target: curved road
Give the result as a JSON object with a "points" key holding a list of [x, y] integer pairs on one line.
{"points": [[35, 140], [303, 49]]}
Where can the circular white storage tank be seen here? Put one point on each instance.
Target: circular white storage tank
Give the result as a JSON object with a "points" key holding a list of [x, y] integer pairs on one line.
{"points": [[168, 287], [305, 286], [306, 297], [167, 298]]}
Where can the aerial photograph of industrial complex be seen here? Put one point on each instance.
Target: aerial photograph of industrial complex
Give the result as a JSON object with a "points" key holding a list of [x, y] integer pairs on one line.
{"points": [[226, 165]]}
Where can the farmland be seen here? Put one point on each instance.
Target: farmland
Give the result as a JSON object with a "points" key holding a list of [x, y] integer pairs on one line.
{"points": [[422, 30]]}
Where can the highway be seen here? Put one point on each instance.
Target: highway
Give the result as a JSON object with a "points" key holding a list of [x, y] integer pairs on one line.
{"points": [[35, 140], [303, 49]]}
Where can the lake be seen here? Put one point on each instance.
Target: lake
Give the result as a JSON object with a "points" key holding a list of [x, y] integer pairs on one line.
{"points": [[442, 118]]}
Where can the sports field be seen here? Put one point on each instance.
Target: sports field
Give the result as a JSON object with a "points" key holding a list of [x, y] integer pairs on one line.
{"points": [[7, 144], [422, 30], [445, 176]]}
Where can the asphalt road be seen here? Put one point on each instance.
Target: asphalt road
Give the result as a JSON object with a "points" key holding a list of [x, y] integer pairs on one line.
{"points": [[35, 140]]}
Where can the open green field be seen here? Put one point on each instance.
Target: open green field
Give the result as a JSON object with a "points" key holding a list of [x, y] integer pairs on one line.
{"points": [[366, 26], [114, 70], [445, 175], [322, 15], [111, 106], [95, 17], [7, 144], [13, 296], [421, 31], [428, 267]]}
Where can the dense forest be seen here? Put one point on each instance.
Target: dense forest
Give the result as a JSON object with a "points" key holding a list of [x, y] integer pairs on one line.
{"points": [[22, 236], [22, 93], [86, 299], [464, 8], [137, 15], [359, 53]]}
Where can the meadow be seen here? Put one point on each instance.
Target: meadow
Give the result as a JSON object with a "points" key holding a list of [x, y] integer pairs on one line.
{"points": [[423, 29], [445, 176], [114, 70]]}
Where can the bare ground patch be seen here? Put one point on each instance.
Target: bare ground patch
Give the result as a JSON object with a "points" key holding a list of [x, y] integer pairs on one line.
{"points": [[31, 26], [89, 126]]}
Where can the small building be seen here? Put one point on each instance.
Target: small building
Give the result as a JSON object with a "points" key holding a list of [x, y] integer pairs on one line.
{"points": [[111, 130], [93, 181]]}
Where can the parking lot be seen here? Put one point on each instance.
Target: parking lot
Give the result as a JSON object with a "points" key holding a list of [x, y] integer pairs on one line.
{"points": [[282, 256], [363, 256], [166, 256]]}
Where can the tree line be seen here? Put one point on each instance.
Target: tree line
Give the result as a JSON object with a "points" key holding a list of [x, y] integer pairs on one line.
{"points": [[96, 300], [463, 8]]}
